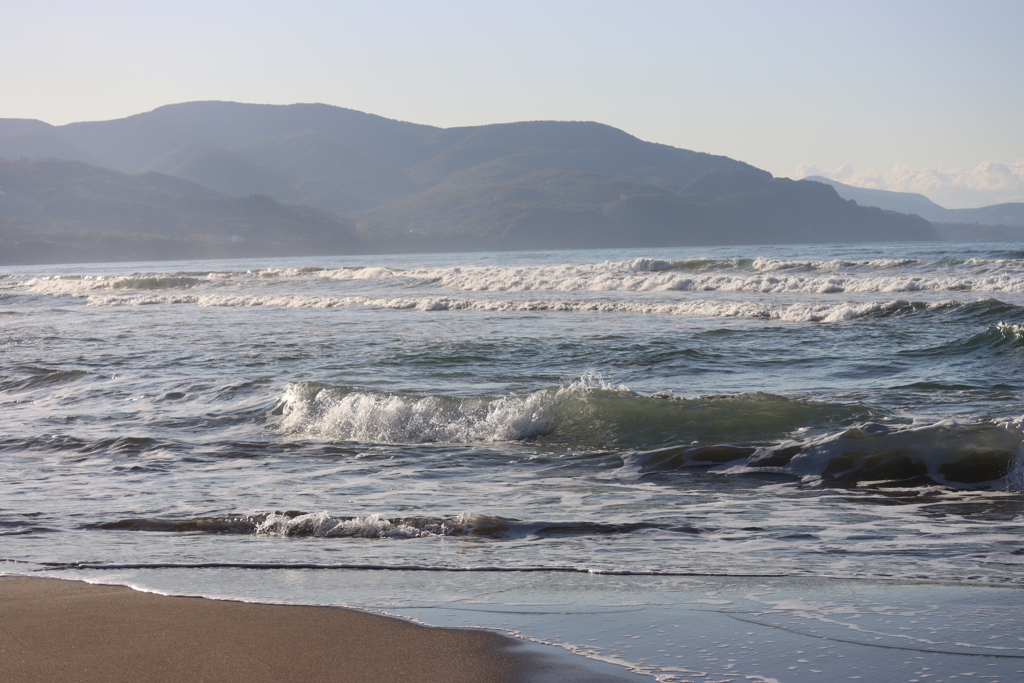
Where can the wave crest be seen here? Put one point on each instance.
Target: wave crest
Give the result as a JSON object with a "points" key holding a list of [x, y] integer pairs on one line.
{"points": [[587, 413], [83, 284]]}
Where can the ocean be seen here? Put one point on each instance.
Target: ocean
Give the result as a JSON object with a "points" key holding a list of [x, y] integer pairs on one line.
{"points": [[581, 448]]}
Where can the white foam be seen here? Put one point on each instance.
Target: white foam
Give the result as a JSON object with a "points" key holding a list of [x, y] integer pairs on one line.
{"points": [[769, 276], [315, 411], [800, 311], [323, 525], [570, 279], [760, 275], [761, 263], [1011, 331]]}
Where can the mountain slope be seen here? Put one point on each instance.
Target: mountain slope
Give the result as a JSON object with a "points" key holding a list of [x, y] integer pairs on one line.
{"points": [[525, 185], [55, 210], [514, 207], [130, 144]]}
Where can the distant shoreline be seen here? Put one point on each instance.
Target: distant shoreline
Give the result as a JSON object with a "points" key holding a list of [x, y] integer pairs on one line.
{"points": [[197, 250]]}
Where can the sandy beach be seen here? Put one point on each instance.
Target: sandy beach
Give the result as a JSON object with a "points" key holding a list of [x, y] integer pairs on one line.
{"points": [[52, 630]]}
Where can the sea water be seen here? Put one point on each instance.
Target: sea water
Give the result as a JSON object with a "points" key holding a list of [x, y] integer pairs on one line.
{"points": [[609, 436]]}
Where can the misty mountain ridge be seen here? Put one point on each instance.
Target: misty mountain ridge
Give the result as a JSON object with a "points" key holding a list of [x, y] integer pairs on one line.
{"points": [[343, 148], [1010, 214], [383, 185]]}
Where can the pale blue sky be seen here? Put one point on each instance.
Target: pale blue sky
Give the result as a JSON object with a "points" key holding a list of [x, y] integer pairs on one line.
{"points": [[931, 85]]}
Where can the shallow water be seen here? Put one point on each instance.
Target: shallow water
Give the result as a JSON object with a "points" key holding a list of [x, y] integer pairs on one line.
{"points": [[802, 411], [675, 629]]}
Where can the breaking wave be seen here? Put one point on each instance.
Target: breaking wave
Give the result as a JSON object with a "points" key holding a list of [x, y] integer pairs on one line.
{"points": [[733, 434], [754, 275], [787, 312], [81, 284], [586, 413], [760, 275]]}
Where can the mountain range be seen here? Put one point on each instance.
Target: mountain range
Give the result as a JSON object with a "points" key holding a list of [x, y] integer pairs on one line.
{"points": [[225, 179], [1010, 214]]}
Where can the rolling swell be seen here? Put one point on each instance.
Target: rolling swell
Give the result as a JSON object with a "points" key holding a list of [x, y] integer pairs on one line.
{"points": [[31, 378], [999, 338], [947, 453], [982, 310], [584, 414]]}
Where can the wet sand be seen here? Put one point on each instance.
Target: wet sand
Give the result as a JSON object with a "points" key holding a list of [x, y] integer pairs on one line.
{"points": [[53, 630]]}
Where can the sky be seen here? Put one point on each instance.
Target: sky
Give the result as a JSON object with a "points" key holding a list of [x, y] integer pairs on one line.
{"points": [[908, 95]]}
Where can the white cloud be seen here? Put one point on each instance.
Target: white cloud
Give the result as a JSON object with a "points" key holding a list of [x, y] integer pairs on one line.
{"points": [[990, 182]]}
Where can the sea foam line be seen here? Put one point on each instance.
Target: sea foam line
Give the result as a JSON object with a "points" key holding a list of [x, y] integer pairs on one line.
{"points": [[557, 569], [794, 312], [52, 566], [762, 275]]}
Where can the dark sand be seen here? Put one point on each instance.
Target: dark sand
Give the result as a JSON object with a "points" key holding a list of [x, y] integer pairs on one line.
{"points": [[55, 631]]}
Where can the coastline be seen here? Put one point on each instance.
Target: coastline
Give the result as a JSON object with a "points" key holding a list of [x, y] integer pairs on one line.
{"points": [[543, 628], [55, 629]]}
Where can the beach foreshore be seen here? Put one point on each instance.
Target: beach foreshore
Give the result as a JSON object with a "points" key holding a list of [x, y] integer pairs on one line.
{"points": [[55, 630]]}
